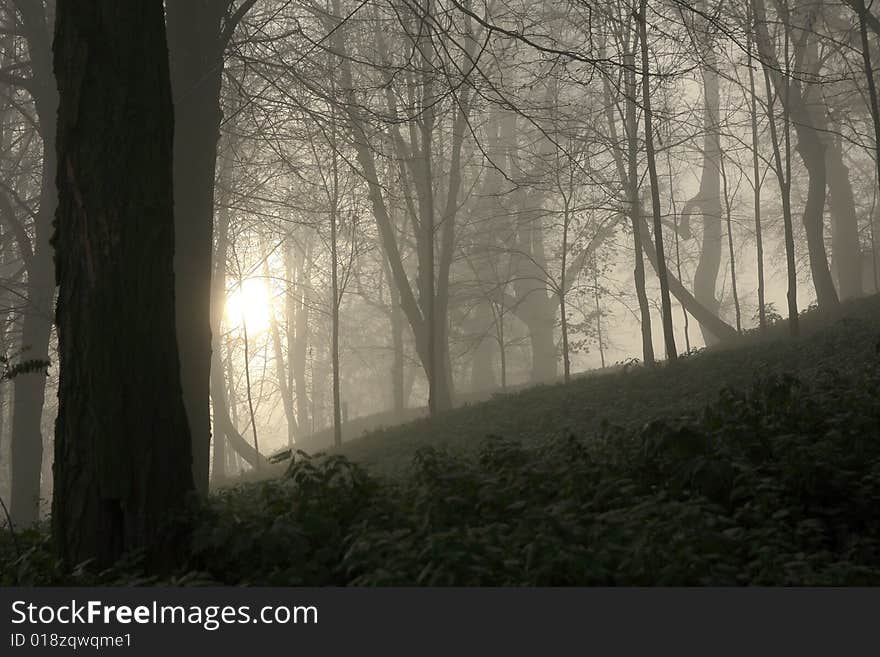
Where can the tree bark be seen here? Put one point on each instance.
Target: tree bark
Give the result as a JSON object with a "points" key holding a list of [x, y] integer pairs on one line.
{"points": [[122, 443]]}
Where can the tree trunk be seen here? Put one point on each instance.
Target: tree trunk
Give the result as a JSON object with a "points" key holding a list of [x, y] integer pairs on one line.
{"points": [[845, 247], [783, 175], [427, 312], [874, 107], [395, 318], [756, 173], [483, 332], [30, 389], [335, 300], [812, 151], [665, 304], [218, 303], [629, 180], [803, 104], [677, 241], [281, 368], [542, 339], [635, 212], [731, 253], [299, 271], [196, 43], [699, 312], [122, 444], [708, 198]]}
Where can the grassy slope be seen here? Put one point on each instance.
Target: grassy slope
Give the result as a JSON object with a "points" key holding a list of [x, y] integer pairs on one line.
{"points": [[633, 397], [709, 471], [775, 482]]}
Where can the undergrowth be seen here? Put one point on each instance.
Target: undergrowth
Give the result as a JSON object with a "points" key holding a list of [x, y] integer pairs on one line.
{"points": [[774, 484]]}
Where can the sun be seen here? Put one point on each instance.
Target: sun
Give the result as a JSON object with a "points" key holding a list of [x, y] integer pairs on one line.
{"points": [[249, 305]]}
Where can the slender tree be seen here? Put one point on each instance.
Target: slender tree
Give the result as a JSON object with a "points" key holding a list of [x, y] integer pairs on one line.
{"points": [[30, 388], [665, 304], [708, 198], [757, 179]]}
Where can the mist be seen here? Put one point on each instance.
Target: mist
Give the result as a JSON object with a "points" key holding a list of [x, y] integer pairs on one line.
{"points": [[256, 238]]}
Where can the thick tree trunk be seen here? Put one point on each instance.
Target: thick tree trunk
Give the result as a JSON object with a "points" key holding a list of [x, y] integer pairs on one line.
{"points": [[483, 330], [534, 306], [196, 54], [812, 151], [845, 247], [541, 322], [122, 444]]}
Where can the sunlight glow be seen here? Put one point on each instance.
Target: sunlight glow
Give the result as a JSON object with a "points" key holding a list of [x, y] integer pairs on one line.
{"points": [[249, 303]]}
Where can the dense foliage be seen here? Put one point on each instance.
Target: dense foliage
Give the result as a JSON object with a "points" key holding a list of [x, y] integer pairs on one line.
{"points": [[773, 483]]}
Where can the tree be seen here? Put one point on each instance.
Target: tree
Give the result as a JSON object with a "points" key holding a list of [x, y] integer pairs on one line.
{"points": [[801, 101], [122, 444], [708, 198], [30, 388], [198, 31], [666, 306], [426, 305]]}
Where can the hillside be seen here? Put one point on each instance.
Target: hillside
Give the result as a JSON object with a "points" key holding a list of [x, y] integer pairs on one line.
{"points": [[632, 395], [757, 464]]}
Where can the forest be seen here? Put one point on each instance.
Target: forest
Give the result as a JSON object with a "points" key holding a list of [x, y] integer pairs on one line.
{"points": [[439, 292]]}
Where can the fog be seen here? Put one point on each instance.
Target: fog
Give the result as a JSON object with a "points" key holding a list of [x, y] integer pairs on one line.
{"points": [[385, 210]]}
